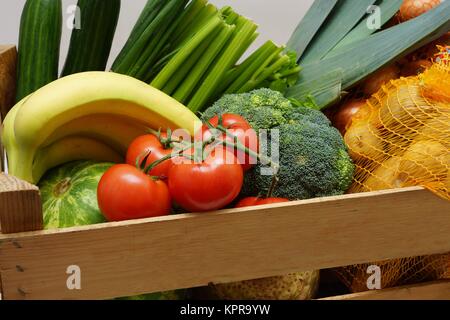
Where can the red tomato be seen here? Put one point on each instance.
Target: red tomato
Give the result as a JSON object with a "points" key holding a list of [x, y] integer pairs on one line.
{"points": [[149, 144], [207, 185], [247, 202], [124, 192], [271, 200], [254, 201], [238, 127]]}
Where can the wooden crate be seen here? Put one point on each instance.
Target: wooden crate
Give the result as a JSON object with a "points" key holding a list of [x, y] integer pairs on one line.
{"points": [[8, 56], [190, 250]]}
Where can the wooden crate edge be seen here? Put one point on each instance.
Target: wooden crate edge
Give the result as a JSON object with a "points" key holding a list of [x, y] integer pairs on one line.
{"points": [[11, 185], [435, 290]]}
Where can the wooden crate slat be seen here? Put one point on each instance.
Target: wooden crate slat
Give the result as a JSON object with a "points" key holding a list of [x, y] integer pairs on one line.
{"points": [[127, 258], [20, 205], [438, 290]]}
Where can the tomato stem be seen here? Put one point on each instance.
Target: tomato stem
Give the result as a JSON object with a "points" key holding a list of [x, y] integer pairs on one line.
{"points": [[140, 164], [167, 157], [275, 180], [168, 142], [238, 145]]}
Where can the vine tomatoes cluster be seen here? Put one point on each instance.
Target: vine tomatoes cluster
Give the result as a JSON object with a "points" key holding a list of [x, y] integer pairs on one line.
{"points": [[200, 175]]}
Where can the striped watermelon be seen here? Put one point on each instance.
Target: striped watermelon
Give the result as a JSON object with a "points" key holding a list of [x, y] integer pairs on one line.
{"points": [[69, 194], [166, 295]]}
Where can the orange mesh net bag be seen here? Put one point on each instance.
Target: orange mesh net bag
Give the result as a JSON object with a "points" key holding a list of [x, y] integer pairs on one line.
{"points": [[401, 138]]}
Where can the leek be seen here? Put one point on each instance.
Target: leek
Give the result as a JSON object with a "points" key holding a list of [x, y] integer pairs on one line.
{"points": [[353, 62]]}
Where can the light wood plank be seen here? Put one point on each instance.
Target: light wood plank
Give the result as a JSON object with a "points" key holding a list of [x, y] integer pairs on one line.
{"points": [[8, 60], [127, 258], [20, 205], [438, 290]]}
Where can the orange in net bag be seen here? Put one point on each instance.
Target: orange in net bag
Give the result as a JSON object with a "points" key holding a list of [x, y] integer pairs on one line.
{"points": [[401, 138]]}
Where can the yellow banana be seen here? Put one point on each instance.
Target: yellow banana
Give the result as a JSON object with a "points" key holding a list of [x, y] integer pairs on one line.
{"points": [[91, 93], [117, 132], [70, 149], [88, 93], [8, 137]]}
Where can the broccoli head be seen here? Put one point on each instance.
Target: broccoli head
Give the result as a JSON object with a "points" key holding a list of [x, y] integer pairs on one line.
{"points": [[262, 108], [313, 157], [313, 162]]}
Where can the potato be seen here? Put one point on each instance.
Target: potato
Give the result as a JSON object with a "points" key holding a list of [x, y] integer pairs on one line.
{"points": [[364, 141], [446, 186], [404, 108], [437, 129], [387, 176], [426, 161]]}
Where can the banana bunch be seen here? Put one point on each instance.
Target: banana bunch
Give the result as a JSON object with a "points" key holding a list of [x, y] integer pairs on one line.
{"points": [[89, 115]]}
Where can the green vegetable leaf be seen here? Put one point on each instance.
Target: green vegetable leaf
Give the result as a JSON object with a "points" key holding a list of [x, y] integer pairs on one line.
{"points": [[363, 57], [386, 10], [340, 22], [309, 25], [324, 88]]}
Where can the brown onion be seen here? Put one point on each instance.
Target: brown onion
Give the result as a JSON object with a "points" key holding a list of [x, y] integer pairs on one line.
{"points": [[431, 50], [345, 112], [374, 83], [414, 68], [413, 8]]}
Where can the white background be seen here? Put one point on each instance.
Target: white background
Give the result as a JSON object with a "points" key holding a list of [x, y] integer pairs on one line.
{"points": [[277, 19]]}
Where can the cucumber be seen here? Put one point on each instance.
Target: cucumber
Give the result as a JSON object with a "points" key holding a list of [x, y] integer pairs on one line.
{"points": [[90, 45], [39, 42]]}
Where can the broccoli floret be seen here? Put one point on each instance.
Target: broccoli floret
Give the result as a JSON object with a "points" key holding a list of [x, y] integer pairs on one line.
{"points": [[313, 162], [301, 114], [262, 108]]}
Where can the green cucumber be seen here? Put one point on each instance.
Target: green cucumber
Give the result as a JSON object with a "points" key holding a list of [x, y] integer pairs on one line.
{"points": [[39, 42], [90, 45]]}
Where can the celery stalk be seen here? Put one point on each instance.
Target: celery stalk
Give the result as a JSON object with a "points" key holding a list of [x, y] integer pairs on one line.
{"points": [[190, 83], [262, 60], [232, 74], [194, 59], [183, 55], [201, 19], [148, 14], [244, 30], [137, 48], [229, 15], [254, 83], [165, 46], [149, 53], [159, 65], [154, 51], [190, 15]]}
